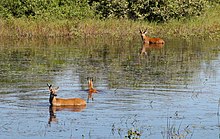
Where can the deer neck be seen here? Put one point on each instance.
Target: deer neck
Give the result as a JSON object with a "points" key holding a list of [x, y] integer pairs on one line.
{"points": [[90, 85], [146, 39], [52, 99]]}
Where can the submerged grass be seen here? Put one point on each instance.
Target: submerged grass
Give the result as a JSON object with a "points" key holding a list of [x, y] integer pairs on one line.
{"points": [[206, 26]]}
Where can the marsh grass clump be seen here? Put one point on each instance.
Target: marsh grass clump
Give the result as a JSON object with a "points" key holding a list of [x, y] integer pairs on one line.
{"points": [[132, 131], [173, 131], [25, 28]]}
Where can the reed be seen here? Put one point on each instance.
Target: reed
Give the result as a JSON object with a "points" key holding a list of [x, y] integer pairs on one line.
{"points": [[206, 26]]}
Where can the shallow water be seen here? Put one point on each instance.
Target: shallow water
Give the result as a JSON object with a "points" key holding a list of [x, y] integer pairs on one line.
{"points": [[167, 92]]}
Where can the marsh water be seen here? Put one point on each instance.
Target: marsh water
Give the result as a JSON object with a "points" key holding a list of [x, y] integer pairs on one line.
{"points": [[169, 91]]}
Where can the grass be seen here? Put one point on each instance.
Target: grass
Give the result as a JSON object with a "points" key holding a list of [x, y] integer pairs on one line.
{"points": [[206, 27]]}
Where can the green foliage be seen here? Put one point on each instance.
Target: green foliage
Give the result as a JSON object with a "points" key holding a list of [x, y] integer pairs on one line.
{"points": [[61, 9], [151, 10], [214, 1], [110, 8]]}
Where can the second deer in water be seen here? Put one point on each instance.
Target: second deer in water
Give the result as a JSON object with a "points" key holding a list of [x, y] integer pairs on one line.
{"points": [[62, 101], [91, 89]]}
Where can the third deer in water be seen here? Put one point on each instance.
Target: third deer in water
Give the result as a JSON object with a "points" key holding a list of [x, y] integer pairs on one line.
{"points": [[91, 89]]}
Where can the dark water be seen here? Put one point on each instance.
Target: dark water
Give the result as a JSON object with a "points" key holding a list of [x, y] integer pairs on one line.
{"points": [[170, 91]]}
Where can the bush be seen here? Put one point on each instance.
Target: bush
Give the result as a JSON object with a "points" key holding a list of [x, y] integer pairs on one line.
{"points": [[110, 8], [45, 8], [151, 10]]}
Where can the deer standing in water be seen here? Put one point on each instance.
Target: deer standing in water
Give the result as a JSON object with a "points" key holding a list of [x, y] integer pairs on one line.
{"points": [[63, 101], [150, 43], [91, 89], [148, 40]]}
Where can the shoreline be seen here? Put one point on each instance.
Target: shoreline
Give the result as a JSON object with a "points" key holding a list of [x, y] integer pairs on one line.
{"points": [[206, 27]]}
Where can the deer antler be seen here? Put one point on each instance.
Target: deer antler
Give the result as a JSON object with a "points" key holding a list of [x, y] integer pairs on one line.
{"points": [[140, 31], [49, 85], [145, 31]]}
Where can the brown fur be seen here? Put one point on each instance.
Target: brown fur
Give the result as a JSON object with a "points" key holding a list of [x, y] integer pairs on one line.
{"points": [[63, 101], [149, 40], [91, 89], [69, 101]]}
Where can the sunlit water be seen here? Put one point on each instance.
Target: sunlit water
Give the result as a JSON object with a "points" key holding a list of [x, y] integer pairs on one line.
{"points": [[169, 91]]}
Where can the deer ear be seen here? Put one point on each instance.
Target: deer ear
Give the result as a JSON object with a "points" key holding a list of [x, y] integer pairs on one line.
{"points": [[57, 88], [145, 31]]}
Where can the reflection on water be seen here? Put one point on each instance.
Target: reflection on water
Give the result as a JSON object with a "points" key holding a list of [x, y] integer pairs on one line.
{"points": [[147, 48], [167, 87], [54, 109]]}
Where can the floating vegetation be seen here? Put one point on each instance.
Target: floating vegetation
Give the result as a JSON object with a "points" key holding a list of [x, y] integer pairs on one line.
{"points": [[133, 134]]}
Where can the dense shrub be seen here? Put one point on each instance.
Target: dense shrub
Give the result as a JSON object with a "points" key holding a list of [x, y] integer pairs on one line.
{"points": [[214, 1], [151, 10], [110, 8], [45, 8]]}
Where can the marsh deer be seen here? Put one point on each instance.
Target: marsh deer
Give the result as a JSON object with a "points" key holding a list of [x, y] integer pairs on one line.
{"points": [[91, 89], [62, 101], [148, 40]]}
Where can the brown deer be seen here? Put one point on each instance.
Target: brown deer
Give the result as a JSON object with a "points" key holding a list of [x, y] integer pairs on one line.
{"points": [[148, 40], [63, 101], [91, 89]]}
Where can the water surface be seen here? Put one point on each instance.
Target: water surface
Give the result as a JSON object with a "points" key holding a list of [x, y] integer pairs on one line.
{"points": [[168, 91]]}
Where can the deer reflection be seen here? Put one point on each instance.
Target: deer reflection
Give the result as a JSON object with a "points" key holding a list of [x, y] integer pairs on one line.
{"points": [[54, 109], [146, 48]]}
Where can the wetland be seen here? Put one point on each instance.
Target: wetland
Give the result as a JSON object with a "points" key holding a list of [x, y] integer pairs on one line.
{"points": [[170, 91]]}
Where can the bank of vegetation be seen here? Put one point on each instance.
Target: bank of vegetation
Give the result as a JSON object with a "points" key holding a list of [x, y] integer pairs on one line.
{"points": [[71, 18]]}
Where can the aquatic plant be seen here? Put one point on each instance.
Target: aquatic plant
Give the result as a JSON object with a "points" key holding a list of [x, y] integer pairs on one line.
{"points": [[176, 132], [133, 134]]}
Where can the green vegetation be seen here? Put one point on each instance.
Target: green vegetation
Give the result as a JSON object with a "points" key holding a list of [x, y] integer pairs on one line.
{"points": [[133, 134], [151, 10], [45, 9], [74, 18]]}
